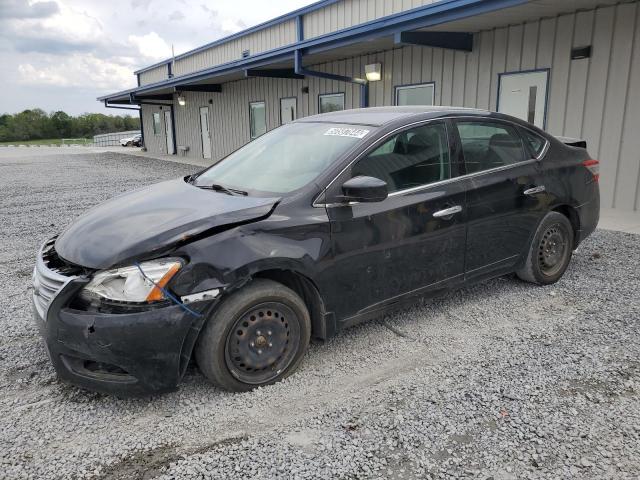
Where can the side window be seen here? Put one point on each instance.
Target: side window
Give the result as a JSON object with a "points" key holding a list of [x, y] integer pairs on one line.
{"points": [[415, 94], [488, 145], [534, 141], [410, 159], [156, 123], [330, 102]]}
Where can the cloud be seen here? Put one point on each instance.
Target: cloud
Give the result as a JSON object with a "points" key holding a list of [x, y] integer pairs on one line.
{"points": [[212, 14], [78, 71], [21, 9], [232, 25], [61, 54], [65, 31], [52, 45], [140, 4], [150, 45], [176, 15]]}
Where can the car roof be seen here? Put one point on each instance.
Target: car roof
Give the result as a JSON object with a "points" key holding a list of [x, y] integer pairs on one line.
{"points": [[380, 116]]}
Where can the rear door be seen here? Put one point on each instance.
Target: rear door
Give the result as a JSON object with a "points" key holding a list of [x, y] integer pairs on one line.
{"points": [[409, 243], [506, 195]]}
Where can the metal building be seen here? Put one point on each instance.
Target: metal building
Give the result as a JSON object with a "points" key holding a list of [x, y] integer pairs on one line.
{"points": [[571, 67]]}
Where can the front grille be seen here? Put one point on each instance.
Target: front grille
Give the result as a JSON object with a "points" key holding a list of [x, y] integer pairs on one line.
{"points": [[50, 275]]}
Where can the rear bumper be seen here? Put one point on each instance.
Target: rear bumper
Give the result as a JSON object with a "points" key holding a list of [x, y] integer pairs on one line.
{"points": [[122, 354], [589, 216]]}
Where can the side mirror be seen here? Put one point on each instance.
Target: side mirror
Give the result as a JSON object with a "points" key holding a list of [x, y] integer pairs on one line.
{"points": [[364, 189]]}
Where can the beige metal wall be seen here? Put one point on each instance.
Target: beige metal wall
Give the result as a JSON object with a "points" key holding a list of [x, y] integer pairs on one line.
{"points": [[591, 98], [257, 42], [156, 74], [348, 13]]}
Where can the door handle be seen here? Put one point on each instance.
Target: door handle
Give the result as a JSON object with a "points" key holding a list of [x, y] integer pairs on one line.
{"points": [[448, 212], [535, 190]]}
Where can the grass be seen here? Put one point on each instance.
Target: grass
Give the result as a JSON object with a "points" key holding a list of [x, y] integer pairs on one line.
{"points": [[51, 141]]}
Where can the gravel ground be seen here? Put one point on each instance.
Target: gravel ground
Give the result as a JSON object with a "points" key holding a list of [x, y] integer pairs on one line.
{"points": [[502, 380]]}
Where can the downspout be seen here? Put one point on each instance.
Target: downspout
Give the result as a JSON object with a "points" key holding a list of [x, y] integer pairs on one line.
{"points": [[364, 84]]}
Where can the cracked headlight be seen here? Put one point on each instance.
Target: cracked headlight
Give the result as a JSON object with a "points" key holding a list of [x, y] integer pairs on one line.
{"points": [[134, 283]]}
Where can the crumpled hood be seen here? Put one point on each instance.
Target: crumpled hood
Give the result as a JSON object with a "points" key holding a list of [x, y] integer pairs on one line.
{"points": [[152, 219]]}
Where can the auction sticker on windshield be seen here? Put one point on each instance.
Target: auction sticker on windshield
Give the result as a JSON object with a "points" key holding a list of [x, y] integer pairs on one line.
{"points": [[347, 132]]}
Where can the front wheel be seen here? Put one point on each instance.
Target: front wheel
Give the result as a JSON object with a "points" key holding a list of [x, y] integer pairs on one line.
{"points": [[550, 251], [257, 336]]}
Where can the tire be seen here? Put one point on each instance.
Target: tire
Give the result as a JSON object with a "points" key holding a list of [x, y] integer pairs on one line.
{"points": [[550, 251], [257, 336]]}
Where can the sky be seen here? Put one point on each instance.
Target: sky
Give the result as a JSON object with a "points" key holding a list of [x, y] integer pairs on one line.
{"points": [[62, 54]]}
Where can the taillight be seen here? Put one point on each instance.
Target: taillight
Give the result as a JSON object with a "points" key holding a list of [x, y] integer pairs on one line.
{"points": [[594, 167]]}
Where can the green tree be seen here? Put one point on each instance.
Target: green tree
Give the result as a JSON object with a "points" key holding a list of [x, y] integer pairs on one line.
{"points": [[36, 124]]}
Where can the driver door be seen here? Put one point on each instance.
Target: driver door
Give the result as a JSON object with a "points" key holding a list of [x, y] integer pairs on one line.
{"points": [[408, 244]]}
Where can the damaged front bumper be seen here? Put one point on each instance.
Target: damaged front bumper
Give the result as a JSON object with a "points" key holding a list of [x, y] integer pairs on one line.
{"points": [[125, 354]]}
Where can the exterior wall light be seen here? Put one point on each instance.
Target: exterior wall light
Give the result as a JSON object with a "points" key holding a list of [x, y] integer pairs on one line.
{"points": [[181, 100], [373, 72]]}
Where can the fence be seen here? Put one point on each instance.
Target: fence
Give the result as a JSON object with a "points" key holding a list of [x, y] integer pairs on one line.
{"points": [[112, 139]]}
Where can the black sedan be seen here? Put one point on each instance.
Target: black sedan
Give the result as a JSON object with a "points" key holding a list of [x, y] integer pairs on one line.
{"points": [[316, 226]]}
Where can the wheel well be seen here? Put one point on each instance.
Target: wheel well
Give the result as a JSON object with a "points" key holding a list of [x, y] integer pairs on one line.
{"points": [[573, 217], [307, 290]]}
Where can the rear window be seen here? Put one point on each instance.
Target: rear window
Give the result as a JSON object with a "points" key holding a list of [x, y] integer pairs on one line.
{"points": [[535, 142], [488, 145]]}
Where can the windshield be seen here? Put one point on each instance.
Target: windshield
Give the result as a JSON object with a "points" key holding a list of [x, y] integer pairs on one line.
{"points": [[284, 159]]}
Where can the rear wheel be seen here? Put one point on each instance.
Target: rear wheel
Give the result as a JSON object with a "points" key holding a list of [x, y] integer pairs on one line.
{"points": [[550, 251], [256, 337]]}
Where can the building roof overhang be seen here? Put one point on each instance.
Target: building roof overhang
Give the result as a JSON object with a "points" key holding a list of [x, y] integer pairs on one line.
{"points": [[446, 16]]}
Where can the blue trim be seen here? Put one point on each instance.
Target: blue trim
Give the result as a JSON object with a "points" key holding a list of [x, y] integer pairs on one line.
{"points": [[364, 84], [429, 15], [394, 100], [546, 94], [300, 28], [106, 105], [269, 23]]}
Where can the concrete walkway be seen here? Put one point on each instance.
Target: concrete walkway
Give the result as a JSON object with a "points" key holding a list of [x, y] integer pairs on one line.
{"points": [[201, 162], [619, 220]]}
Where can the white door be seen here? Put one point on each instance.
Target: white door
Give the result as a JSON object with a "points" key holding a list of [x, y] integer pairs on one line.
{"points": [[168, 128], [204, 132], [288, 107], [524, 95]]}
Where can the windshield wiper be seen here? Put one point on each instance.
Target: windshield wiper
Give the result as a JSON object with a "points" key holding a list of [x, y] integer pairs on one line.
{"points": [[221, 188]]}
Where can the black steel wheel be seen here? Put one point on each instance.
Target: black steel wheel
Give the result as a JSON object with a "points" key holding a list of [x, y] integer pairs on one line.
{"points": [[550, 251], [553, 249], [257, 336], [262, 343]]}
